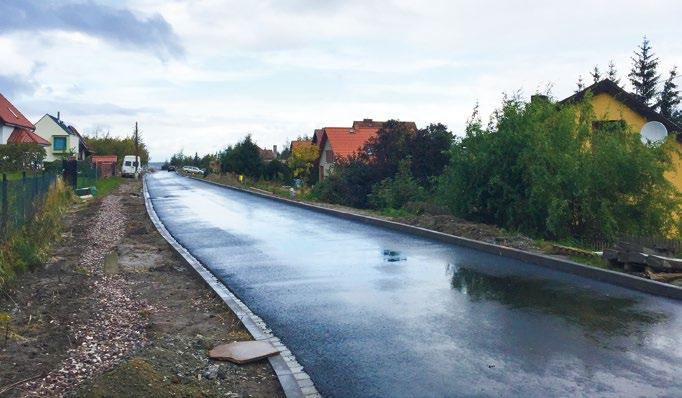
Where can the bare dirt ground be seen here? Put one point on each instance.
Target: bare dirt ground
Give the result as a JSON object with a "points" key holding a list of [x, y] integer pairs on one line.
{"points": [[116, 313]]}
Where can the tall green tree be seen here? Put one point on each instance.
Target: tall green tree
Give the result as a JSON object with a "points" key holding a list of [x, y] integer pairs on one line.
{"points": [[580, 84], [644, 73], [596, 74], [243, 158], [612, 73], [669, 98]]}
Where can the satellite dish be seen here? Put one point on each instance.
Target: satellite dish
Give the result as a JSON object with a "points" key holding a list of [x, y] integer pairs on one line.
{"points": [[653, 133]]}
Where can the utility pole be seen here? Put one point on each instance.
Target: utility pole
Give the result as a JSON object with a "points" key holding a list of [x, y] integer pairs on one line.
{"points": [[136, 141]]}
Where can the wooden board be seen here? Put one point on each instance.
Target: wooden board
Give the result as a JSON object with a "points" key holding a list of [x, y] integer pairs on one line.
{"points": [[243, 351]]}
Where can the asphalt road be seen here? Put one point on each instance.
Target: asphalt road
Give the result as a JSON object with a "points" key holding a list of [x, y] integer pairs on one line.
{"points": [[374, 313]]}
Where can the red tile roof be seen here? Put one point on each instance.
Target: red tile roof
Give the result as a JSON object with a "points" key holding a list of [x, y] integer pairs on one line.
{"points": [[9, 114], [345, 141], [365, 123], [25, 136], [267, 154], [104, 158]]}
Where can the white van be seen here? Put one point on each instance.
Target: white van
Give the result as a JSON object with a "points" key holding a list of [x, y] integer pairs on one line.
{"points": [[131, 165]]}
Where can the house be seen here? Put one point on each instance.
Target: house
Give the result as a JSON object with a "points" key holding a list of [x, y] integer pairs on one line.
{"points": [[611, 103], [338, 142], [65, 140], [15, 128], [268, 155]]}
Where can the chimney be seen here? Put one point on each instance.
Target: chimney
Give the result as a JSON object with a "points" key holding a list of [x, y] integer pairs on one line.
{"points": [[274, 149], [539, 98], [367, 120], [58, 116]]}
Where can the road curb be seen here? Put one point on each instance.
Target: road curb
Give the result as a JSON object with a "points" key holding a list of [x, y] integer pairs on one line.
{"points": [[294, 381], [571, 267]]}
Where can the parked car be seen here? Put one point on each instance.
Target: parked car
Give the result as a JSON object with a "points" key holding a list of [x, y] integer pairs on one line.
{"points": [[192, 170], [131, 165], [171, 168]]}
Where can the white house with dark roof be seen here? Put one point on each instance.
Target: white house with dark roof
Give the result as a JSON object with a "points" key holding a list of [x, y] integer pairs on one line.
{"points": [[64, 139]]}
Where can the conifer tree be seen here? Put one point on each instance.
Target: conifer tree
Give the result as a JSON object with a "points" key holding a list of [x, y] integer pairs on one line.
{"points": [[669, 98], [580, 84], [596, 74], [643, 75], [613, 73]]}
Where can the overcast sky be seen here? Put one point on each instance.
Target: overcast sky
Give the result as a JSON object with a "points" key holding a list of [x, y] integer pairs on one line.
{"points": [[198, 75]]}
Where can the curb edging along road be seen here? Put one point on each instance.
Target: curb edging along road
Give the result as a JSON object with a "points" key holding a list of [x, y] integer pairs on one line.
{"points": [[571, 267], [294, 381]]}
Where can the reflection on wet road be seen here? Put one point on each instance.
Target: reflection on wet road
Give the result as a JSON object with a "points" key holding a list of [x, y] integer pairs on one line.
{"points": [[372, 312]]}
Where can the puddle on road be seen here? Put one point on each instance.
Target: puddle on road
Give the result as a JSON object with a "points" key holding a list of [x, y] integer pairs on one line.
{"points": [[595, 313]]}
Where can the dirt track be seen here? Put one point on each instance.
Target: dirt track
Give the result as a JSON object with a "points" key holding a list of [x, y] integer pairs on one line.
{"points": [[142, 327]]}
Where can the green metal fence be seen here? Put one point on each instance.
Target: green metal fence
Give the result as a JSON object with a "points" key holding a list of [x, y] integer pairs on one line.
{"points": [[20, 199], [87, 175]]}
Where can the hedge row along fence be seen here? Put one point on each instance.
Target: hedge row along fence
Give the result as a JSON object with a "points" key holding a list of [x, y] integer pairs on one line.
{"points": [[32, 211], [21, 197]]}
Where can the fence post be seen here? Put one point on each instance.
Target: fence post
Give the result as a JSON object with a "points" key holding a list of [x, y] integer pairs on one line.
{"points": [[5, 207], [24, 208]]}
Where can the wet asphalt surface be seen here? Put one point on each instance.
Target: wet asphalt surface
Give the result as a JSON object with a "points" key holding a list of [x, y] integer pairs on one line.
{"points": [[375, 313]]}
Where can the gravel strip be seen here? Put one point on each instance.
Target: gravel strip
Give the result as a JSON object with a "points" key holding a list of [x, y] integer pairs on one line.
{"points": [[119, 326]]}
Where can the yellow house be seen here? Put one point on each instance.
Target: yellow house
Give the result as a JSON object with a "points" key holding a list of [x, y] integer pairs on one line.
{"points": [[612, 103]]}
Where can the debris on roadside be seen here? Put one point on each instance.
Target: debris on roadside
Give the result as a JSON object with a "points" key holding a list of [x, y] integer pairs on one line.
{"points": [[241, 352]]}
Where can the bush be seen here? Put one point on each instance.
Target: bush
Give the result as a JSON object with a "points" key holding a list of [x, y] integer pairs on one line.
{"points": [[21, 157], [398, 191], [550, 171], [348, 184], [27, 247]]}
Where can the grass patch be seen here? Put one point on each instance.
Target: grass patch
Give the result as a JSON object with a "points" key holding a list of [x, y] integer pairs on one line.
{"points": [[106, 185]]}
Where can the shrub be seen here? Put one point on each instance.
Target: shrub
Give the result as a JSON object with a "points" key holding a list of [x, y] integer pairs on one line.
{"points": [[21, 157], [398, 191], [28, 247], [550, 171]]}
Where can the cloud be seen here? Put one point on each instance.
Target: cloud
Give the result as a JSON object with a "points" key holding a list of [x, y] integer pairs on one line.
{"points": [[116, 25], [15, 85]]}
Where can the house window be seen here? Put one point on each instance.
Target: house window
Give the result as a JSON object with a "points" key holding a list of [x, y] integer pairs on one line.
{"points": [[329, 156], [59, 144], [609, 125]]}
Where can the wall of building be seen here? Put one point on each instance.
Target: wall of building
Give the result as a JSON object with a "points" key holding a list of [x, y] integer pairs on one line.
{"points": [[47, 128], [5, 132], [325, 167], [608, 108]]}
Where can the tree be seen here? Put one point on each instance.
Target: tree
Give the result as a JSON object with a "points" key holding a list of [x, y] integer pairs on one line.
{"points": [[548, 171], [276, 170], [105, 144], [643, 75], [612, 74], [430, 152], [670, 96], [580, 85], [302, 160], [243, 158], [21, 157], [596, 74]]}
